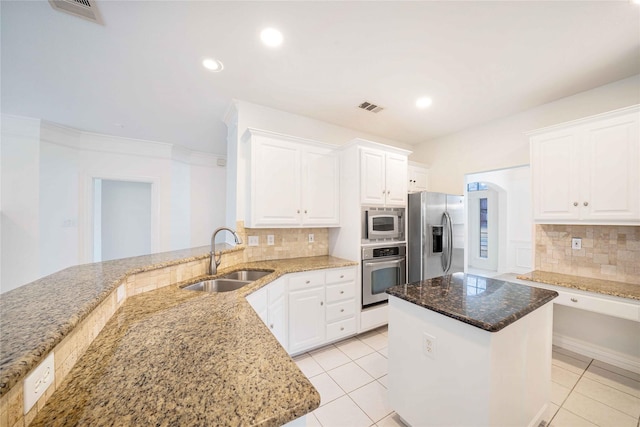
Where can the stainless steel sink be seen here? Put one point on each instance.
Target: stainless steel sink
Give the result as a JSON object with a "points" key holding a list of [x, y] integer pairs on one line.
{"points": [[249, 275], [217, 285], [228, 282]]}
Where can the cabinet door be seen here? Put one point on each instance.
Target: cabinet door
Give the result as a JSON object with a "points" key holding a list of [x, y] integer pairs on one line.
{"points": [[554, 166], [278, 320], [258, 301], [306, 318], [396, 180], [372, 177], [321, 188], [611, 160], [275, 189], [417, 179]]}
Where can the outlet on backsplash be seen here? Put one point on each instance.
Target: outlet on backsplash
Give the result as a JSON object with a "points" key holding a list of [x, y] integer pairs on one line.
{"points": [[603, 252]]}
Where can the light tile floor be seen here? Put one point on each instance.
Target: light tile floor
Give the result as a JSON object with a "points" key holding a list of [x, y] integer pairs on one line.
{"points": [[351, 377]]}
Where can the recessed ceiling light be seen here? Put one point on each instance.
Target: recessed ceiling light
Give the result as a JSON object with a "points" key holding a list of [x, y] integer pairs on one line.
{"points": [[212, 64], [423, 102], [271, 37]]}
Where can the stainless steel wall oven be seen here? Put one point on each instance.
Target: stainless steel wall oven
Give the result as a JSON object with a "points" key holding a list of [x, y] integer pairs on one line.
{"points": [[383, 266]]}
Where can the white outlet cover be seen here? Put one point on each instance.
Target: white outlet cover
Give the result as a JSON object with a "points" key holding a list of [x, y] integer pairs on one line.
{"points": [[38, 382], [311, 238], [576, 243], [271, 240], [429, 345], [254, 240], [121, 293]]}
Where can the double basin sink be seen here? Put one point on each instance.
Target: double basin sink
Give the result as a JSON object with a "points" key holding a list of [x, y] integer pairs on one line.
{"points": [[228, 282]]}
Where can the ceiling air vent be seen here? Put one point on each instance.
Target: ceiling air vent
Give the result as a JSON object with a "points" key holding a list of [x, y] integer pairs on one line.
{"points": [[370, 107], [85, 9]]}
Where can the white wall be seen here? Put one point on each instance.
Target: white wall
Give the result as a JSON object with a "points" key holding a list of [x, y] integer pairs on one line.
{"points": [[502, 143], [47, 194], [20, 169]]}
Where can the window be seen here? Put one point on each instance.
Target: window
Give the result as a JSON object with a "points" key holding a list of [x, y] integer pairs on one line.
{"points": [[484, 232]]}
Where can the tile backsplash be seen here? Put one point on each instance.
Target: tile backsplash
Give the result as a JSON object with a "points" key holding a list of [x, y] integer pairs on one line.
{"points": [[288, 243], [608, 252]]}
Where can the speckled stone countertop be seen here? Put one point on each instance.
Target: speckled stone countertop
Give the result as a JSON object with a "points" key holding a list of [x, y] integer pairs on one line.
{"points": [[605, 287], [35, 317], [178, 357], [486, 303]]}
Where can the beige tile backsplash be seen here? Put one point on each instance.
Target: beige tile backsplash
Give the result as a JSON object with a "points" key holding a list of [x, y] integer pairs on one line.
{"points": [[608, 252]]}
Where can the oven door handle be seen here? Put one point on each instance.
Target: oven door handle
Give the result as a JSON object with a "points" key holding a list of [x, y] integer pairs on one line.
{"points": [[384, 263]]}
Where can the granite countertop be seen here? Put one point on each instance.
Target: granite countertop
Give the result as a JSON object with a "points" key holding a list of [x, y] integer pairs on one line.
{"points": [[35, 317], [600, 286], [482, 302], [178, 357]]}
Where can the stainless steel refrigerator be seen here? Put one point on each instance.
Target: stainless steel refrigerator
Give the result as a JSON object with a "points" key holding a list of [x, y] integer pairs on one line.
{"points": [[435, 235]]}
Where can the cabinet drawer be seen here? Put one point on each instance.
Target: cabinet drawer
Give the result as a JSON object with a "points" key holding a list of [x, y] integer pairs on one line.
{"points": [[340, 291], [341, 328], [306, 280], [341, 309], [341, 275], [599, 305]]}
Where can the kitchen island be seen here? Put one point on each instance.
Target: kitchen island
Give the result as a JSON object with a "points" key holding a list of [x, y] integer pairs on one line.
{"points": [[467, 350]]}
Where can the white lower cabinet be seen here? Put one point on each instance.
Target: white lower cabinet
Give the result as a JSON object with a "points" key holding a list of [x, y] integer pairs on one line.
{"points": [[306, 310], [270, 305]]}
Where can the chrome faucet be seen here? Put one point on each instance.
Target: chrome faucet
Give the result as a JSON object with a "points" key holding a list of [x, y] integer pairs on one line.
{"points": [[215, 260]]}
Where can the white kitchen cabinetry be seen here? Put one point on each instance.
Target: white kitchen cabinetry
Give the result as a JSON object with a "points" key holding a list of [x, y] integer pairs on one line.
{"points": [[418, 176], [383, 178], [270, 304], [587, 171], [292, 182], [307, 310]]}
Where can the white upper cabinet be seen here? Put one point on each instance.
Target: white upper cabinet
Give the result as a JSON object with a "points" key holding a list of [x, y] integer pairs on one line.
{"points": [[418, 176], [587, 171], [292, 182], [383, 178]]}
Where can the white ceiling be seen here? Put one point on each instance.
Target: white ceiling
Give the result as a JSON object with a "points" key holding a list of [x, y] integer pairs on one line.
{"points": [[141, 69]]}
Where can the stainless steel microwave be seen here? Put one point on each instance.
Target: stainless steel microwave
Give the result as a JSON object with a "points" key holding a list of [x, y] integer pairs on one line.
{"points": [[382, 224]]}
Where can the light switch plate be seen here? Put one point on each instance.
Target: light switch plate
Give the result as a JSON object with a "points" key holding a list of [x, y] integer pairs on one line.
{"points": [[311, 238], [270, 240], [38, 382], [254, 240]]}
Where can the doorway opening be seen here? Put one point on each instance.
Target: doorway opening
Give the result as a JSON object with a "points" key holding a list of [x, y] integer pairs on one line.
{"points": [[122, 219]]}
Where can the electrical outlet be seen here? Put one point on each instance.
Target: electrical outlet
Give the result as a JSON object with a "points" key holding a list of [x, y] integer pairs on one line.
{"points": [[270, 240], [576, 243], [429, 345], [311, 238], [254, 240], [121, 293], [38, 382]]}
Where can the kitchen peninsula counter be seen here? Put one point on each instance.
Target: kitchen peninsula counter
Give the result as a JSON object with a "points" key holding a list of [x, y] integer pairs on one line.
{"points": [[176, 357], [469, 341]]}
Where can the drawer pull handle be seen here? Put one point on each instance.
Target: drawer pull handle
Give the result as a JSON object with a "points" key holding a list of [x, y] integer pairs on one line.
{"points": [[342, 310], [298, 210], [341, 292], [305, 211], [308, 281], [321, 303], [342, 328], [575, 203], [271, 326], [586, 203], [574, 299], [342, 276]]}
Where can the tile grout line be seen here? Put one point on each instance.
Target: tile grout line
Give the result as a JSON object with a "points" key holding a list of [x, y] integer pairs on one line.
{"points": [[569, 394]]}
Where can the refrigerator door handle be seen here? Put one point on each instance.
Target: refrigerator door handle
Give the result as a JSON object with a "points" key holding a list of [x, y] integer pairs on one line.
{"points": [[448, 249], [445, 244]]}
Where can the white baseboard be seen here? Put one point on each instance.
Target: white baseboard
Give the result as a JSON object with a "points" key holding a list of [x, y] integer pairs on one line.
{"points": [[371, 318], [621, 360]]}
